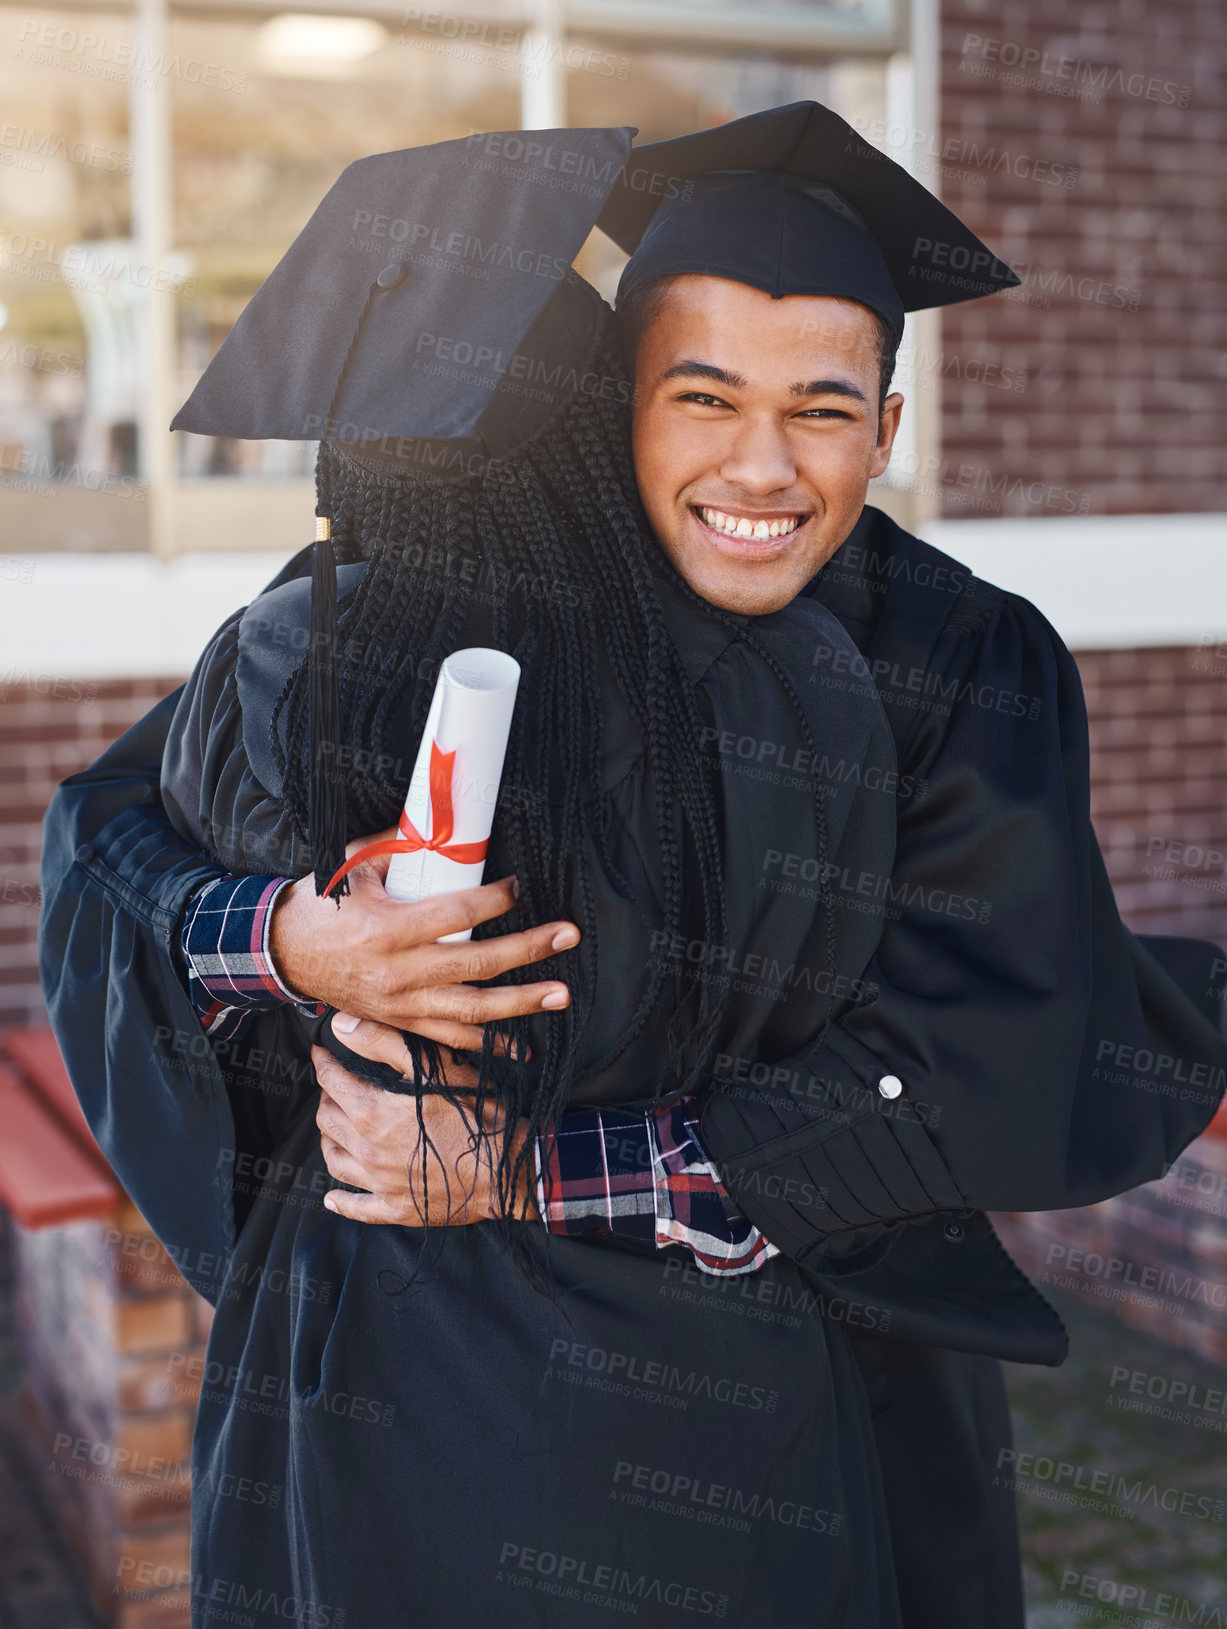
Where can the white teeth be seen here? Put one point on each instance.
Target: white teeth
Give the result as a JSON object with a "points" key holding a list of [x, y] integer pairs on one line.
{"points": [[734, 526]]}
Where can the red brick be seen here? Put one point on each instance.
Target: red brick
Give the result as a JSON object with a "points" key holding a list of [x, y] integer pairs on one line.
{"points": [[171, 1611], [168, 1380], [149, 1501], [154, 1441], [1144, 215], [152, 1555], [153, 1323]]}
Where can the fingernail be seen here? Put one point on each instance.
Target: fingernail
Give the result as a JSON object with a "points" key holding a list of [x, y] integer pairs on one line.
{"points": [[565, 938], [556, 998], [515, 887], [345, 1023], [330, 1203]]}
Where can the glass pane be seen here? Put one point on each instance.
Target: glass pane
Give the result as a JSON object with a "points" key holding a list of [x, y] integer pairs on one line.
{"points": [[308, 95], [796, 13], [67, 295]]}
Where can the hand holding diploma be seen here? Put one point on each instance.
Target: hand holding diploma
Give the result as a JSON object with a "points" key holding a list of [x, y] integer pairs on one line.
{"points": [[397, 956]]}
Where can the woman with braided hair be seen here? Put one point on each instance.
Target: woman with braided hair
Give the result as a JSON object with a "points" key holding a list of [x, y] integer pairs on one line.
{"points": [[546, 555]]}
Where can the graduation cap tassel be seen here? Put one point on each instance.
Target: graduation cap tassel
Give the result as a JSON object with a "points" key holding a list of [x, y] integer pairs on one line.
{"points": [[326, 802]]}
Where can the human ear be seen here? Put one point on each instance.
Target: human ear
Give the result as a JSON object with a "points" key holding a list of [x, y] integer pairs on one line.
{"points": [[888, 428]]}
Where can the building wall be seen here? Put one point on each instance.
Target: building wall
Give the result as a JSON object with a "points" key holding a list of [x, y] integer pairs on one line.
{"points": [[1087, 145], [50, 728], [113, 1344], [1159, 783], [1158, 771]]}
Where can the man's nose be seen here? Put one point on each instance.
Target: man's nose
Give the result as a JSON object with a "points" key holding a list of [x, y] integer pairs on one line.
{"points": [[759, 459]]}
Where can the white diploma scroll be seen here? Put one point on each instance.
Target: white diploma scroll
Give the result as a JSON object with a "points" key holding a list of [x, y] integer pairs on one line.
{"points": [[470, 716]]}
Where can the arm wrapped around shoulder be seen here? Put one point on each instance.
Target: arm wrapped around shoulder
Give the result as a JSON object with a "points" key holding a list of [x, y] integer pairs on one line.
{"points": [[1023, 1050]]}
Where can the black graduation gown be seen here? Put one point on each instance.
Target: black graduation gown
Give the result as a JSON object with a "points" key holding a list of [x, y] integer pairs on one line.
{"points": [[1047, 1057], [640, 1447], [986, 707]]}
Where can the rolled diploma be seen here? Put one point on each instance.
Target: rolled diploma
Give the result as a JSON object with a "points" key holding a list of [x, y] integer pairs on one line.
{"points": [[470, 713]]}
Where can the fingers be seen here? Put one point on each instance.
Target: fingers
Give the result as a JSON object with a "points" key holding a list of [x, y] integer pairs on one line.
{"points": [[466, 1004], [336, 1125], [430, 919], [377, 865], [361, 1207], [342, 1165], [463, 1037], [489, 958], [359, 1100], [362, 842], [378, 1042], [383, 1044]]}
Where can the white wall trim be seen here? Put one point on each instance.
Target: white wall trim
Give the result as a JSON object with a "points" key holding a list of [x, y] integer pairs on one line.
{"points": [[1105, 581], [118, 616]]}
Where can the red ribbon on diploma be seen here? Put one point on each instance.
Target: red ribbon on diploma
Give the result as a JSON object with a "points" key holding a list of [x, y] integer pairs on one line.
{"points": [[442, 819]]}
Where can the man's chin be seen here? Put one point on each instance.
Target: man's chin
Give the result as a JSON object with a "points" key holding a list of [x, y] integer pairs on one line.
{"points": [[748, 589]]}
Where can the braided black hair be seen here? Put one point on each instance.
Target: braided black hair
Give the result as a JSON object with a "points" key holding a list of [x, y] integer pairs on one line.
{"points": [[557, 537]]}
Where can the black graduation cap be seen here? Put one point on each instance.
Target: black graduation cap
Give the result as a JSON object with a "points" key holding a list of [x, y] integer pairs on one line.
{"points": [[795, 201], [423, 279], [399, 306]]}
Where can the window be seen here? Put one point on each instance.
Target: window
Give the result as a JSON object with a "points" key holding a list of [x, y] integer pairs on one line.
{"points": [[154, 166]]}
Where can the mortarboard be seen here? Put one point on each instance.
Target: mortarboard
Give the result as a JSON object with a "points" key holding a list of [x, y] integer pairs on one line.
{"points": [[399, 306], [422, 285], [795, 201]]}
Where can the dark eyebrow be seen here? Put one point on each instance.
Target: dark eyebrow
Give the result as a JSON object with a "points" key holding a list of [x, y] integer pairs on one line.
{"points": [[829, 387], [704, 370], [692, 369]]}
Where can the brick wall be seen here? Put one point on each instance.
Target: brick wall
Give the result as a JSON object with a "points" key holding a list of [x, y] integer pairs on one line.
{"points": [[1159, 784], [49, 729], [1087, 145], [1155, 1257], [113, 1344], [1158, 772]]}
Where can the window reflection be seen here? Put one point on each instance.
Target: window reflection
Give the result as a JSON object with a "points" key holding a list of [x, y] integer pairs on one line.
{"points": [[64, 186], [267, 109]]}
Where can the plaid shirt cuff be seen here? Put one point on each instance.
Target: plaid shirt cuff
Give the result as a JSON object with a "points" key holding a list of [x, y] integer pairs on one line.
{"points": [[644, 1176], [224, 939]]}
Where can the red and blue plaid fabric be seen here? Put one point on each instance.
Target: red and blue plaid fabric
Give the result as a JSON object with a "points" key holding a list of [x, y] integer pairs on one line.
{"points": [[644, 1175], [225, 944], [640, 1175]]}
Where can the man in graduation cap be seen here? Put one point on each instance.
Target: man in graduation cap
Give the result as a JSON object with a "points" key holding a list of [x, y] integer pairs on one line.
{"points": [[967, 1081]]}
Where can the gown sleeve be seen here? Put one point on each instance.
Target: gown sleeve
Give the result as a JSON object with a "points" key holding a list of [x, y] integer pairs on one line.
{"points": [[1025, 1051], [173, 1113], [113, 893]]}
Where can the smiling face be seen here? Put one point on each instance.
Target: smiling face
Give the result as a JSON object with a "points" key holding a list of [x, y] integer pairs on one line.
{"points": [[756, 433]]}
